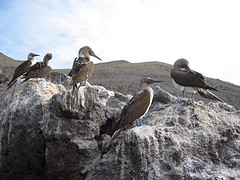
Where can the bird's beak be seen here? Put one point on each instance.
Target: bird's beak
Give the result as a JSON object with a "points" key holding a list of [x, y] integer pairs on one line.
{"points": [[151, 81], [36, 55], [94, 55], [186, 67]]}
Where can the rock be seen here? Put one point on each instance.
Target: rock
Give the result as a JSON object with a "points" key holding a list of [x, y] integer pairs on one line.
{"points": [[188, 141], [46, 134], [3, 77], [162, 96]]}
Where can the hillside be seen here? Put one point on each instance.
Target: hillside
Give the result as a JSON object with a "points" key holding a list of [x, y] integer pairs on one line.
{"points": [[7, 61], [124, 77]]}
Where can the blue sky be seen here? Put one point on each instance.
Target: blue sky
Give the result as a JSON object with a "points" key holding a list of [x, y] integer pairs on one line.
{"points": [[205, 32]]}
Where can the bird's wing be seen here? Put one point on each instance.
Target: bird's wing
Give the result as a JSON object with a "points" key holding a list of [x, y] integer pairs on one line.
{"points": [[85, 71], [38, 70], [73, 70], [209, 95], [134, 109], [189, 78], [20, 70]]}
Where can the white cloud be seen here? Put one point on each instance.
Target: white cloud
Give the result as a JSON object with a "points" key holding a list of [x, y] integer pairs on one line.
{"points": [[204, 32]]}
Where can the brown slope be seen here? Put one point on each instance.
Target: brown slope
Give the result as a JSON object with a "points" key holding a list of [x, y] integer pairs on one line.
{"points": [[124, 77]]}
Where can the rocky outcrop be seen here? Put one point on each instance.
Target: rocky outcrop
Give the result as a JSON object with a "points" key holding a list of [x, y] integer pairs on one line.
{"points": [[47, 134]]}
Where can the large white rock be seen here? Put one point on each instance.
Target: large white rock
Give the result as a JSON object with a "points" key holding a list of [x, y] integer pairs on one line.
{"points": [[46, 134]]}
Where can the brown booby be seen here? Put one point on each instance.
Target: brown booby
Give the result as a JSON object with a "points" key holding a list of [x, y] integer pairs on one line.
{"points": [[3, 77], [83, 56], [40, 69], [136, 108], [187, 80], [23, 68], [82, 67]]}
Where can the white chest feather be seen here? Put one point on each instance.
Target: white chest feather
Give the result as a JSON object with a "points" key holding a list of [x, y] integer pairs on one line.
{"points": [[33, 61], [151, 98]]}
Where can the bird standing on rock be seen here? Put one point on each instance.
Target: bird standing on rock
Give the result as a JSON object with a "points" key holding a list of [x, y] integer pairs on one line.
{"points": [[82, 68], [40, 69], [187, 80], [23, 68], [136, 108], [83, 56]]}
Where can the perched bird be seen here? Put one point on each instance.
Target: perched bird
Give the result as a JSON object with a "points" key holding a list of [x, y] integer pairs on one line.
{"points": [[136, 108], [23, 68], [187, 80], [83, 56], [82, 67], [3, 77], [85, 71], [40, 69]]}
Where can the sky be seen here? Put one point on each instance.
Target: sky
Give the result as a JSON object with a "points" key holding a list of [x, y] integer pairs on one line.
{"points": [[205, 32]]}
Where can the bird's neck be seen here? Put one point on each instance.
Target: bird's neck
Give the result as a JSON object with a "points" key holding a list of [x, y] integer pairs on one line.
{"points": [[33, 60], [81, 55], [47, 62], [148, 88], [84, 59]]}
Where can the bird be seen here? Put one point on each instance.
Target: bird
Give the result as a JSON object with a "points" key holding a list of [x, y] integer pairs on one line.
{"points": [[3, 77], [40, 69], [85, 71], [82, 68], [187, 80], [83, 56], [23, 68], [136, 108]]}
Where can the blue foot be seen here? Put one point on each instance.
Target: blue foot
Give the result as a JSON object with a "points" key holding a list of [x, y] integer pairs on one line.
{"points": [[139, 122], [85, 82], [192, 95], [183, 94]]}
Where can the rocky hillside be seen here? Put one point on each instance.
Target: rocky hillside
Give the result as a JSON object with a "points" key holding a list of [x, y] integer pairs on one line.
{"points": [[123, 77], [46, 134]]}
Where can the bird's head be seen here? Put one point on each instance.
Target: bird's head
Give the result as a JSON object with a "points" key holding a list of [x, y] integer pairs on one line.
{"points": [[147, 82], [86, 51], [31, 56], [47, 57], [182, 64]]}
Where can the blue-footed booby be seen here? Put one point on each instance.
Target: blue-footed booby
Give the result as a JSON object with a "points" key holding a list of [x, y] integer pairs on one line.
{"points": [[82, 68], [83, 56], [40, 69], [187, 80], [23, 68], [3, 77], [136, 108]]}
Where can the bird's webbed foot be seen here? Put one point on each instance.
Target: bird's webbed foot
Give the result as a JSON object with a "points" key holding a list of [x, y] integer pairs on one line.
{"points": [[140, 122]]}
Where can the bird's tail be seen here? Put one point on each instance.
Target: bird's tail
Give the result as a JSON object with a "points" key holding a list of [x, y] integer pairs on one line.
{"points": [[209, 87], [11, 83], [209, 95], [117, 132]]}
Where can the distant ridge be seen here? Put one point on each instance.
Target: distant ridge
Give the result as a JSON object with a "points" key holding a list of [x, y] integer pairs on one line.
{"points": [[115, 62], [7, 61]]}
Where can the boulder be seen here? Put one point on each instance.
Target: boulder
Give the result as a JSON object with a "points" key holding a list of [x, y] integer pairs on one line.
{"points": [[48, 134]]}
